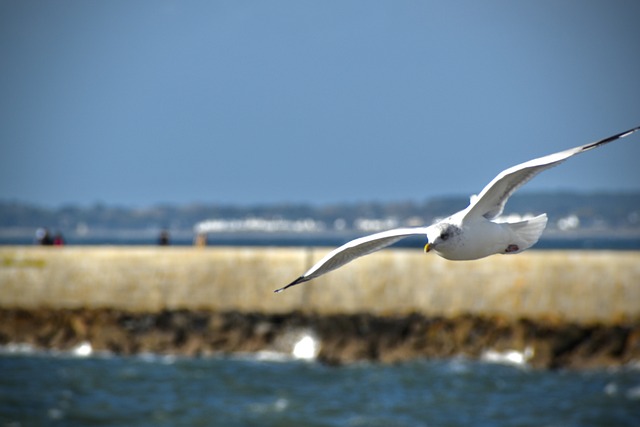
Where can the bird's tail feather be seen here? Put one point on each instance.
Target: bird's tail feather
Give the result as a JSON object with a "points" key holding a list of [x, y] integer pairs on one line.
{"points": [[526, 233]]}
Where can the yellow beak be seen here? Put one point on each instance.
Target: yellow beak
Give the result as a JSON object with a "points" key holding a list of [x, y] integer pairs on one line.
{"points": [[427, 247]]}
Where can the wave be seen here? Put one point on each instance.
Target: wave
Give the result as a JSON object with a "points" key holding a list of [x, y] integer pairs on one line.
{"points": [[508, 357], [81, 350]]}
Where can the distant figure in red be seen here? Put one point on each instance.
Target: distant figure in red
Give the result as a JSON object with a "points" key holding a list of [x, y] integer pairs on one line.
{"points": [[58, 240]]}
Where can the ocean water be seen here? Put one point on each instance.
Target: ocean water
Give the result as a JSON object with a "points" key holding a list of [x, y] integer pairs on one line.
{"points": [[616, 242], [84, 389]]}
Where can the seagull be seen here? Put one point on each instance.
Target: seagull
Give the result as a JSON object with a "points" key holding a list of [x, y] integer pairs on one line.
{"points": [[473, 233]]}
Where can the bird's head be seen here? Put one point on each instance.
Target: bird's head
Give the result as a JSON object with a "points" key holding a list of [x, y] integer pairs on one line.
{"points": [[442, 237]]}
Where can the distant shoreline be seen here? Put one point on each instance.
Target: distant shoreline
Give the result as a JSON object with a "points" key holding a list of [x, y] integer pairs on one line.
{"points": [[599, 220], [623, 240]]}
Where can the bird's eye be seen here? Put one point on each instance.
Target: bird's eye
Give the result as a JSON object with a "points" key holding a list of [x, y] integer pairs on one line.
{"points": [[444, 236]]}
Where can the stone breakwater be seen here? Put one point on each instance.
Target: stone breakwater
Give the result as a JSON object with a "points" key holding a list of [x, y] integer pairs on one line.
{"points": [[571, 286], [568, 308]]}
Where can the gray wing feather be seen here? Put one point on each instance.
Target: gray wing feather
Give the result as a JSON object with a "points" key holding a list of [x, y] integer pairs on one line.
{"points": [[492, 199], [356, 249]]}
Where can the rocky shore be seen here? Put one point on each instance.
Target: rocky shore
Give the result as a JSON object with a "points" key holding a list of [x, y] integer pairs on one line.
{"points": [[341, 338]]}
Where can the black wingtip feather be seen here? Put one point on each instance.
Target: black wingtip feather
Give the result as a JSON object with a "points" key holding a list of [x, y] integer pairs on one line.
{"points": [[300, 279], [611, 138]]}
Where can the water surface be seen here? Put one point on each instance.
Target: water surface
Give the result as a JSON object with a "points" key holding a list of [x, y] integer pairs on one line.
{"points": [[148, 390]]}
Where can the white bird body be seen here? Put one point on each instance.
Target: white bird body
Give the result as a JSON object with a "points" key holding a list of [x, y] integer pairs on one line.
{"points": [[469, 237], [472, 233]]}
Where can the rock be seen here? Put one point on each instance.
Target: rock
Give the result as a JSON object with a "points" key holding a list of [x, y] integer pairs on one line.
{"points": [[343, 338]]}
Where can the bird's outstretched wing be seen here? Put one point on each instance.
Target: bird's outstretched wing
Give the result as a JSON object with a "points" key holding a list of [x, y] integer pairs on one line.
{"points": [[491, 200], [355, 249]]}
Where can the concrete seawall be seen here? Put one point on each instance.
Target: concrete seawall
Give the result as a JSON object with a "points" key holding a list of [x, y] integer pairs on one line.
{"points": [[566, 286]]}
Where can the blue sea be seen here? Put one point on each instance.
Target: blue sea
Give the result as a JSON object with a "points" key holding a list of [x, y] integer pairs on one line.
{"points": [[64, 389], [600, 242]]}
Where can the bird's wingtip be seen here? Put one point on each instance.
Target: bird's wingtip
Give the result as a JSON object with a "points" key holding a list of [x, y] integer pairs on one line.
{"points": [[295, 282]]}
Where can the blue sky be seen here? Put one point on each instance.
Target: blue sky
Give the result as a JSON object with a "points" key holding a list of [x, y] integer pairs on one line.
{"points": [[144, 102]]}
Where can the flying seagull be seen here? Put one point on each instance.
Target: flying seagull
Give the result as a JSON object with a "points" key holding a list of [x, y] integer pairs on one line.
{"points": [[473, 233]]}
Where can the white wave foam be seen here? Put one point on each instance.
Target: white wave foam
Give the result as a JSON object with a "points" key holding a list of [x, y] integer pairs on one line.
{"points": [[269, 356], [633, 393], [295, 343], [18, 348], [149, 357], [84, 349], [459, 364], [306, 348], [279, 405], [611, 389], [508, 357]]}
